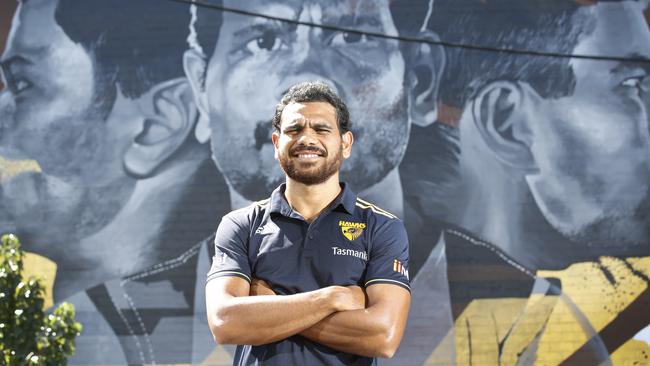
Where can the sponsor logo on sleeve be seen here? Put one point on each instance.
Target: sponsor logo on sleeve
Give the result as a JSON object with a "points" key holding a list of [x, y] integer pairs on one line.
{"points": [[399, 268], [351, 230]]}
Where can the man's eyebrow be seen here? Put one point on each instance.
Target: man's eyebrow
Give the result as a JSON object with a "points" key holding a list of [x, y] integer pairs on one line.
{"points": [[260, 27], [349, 20], [295, 124], [321, 124], [13, 60], [635, 64]]}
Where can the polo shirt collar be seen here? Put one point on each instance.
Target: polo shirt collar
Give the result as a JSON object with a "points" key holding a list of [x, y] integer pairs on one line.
{"points": [[278, 203], [347, 198]]}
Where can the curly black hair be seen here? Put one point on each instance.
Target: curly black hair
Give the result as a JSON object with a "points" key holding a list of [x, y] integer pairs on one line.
{"points": [[314, 91]]}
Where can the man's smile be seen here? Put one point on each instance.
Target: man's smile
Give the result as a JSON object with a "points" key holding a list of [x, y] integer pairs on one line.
{"points": [[308, 153]]}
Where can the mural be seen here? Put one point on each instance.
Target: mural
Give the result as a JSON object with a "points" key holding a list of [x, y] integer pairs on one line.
{"points": [[520, 164]]}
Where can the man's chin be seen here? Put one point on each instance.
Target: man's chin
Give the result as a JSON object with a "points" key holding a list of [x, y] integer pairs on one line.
{"points": [[618, 236]]}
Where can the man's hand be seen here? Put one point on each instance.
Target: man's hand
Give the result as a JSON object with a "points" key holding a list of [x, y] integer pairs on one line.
{"points": [[344, 298], [240, 313], [374, 330], [260, 288], [348, 298]]}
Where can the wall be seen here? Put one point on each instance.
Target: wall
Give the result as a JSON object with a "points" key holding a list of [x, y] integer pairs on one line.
{"points": [[6, 12], [512, 140]]}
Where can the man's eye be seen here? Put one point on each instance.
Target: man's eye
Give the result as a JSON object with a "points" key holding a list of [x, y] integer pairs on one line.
{"points": [[349, 37], [641, 83], [20, 85], [268, 41]]}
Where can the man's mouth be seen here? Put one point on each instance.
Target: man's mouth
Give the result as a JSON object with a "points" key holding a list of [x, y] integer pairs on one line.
{"points": [[308, 156], [311, 152]]}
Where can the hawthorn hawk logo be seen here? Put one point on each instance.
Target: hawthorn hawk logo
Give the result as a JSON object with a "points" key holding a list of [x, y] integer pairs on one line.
{"points": [[351, 230]]}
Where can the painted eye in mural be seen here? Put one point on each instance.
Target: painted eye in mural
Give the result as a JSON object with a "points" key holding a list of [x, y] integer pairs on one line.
{"points": [[349, 37], [641, 83], [20, 85], [17, 84], [267, 41]]}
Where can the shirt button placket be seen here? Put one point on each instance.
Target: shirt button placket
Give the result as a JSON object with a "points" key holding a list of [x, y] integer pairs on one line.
{"points": [[310, 240]]}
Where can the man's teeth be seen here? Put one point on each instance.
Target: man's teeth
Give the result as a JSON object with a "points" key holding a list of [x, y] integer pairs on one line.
{"points": [[307, 155]]}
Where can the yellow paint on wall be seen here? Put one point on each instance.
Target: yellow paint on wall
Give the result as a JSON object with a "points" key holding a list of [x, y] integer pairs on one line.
{"points": [[633, 352], [548, 325], [527, 329], [218, 357], [481, 327], [640, 264], [38, 266], [598, 299], [442, 355], [11, 168], [513, 323]]}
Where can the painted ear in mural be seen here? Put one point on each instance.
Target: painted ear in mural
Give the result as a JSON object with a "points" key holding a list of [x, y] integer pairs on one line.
{"points": [[426, 62], [164, 130], [194, 64], [498, 114]]}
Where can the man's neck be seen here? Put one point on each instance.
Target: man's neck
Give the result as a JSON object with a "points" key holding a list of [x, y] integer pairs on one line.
{"points": [[129, 243], [503, 212], [310, 200], [386, 194]]}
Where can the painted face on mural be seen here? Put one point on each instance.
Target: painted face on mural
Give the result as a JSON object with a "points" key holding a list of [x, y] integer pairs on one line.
{"points": [[592, 148], [256, 60], [51, 87]]}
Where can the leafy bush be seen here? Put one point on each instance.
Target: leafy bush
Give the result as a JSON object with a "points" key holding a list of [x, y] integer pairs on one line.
{"points": [[28, 336]]}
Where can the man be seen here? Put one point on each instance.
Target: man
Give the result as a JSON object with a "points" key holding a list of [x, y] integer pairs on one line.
{"points": [[123, 190], [391, 87], [555, 168], [315, 243]]}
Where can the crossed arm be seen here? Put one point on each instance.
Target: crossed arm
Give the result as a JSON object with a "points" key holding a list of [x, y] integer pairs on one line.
{"points": [[347, 319]]}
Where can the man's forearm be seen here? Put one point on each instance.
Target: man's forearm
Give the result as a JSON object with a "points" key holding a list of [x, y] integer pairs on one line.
{"points": [[375, 331], [256, 320], [264, 319], [361, 332]]}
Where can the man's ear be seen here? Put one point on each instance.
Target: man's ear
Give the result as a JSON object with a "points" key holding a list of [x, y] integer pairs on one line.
{"points": [[347, 139], [164, 130], [499, 115], [425, 63], [195, 67], [275, 137]]}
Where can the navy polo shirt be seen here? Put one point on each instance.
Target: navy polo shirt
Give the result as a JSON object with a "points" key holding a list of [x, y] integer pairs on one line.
{"points": [[352, 242]]}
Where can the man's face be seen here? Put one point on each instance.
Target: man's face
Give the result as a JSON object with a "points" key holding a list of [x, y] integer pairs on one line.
{"points": [[592, 148], [255, 62], [54, 122], [309, 145]]}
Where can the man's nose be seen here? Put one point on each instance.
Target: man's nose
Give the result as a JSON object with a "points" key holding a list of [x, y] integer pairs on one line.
{"points": [[306, 64], [307, 137]]}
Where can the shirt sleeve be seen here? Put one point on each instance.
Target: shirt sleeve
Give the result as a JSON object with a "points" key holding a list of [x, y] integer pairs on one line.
{"points": [[231, 251], [389, 256]]}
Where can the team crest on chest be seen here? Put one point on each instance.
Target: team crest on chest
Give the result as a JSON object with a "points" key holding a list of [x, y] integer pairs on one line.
{"points": [[351, 230]]}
